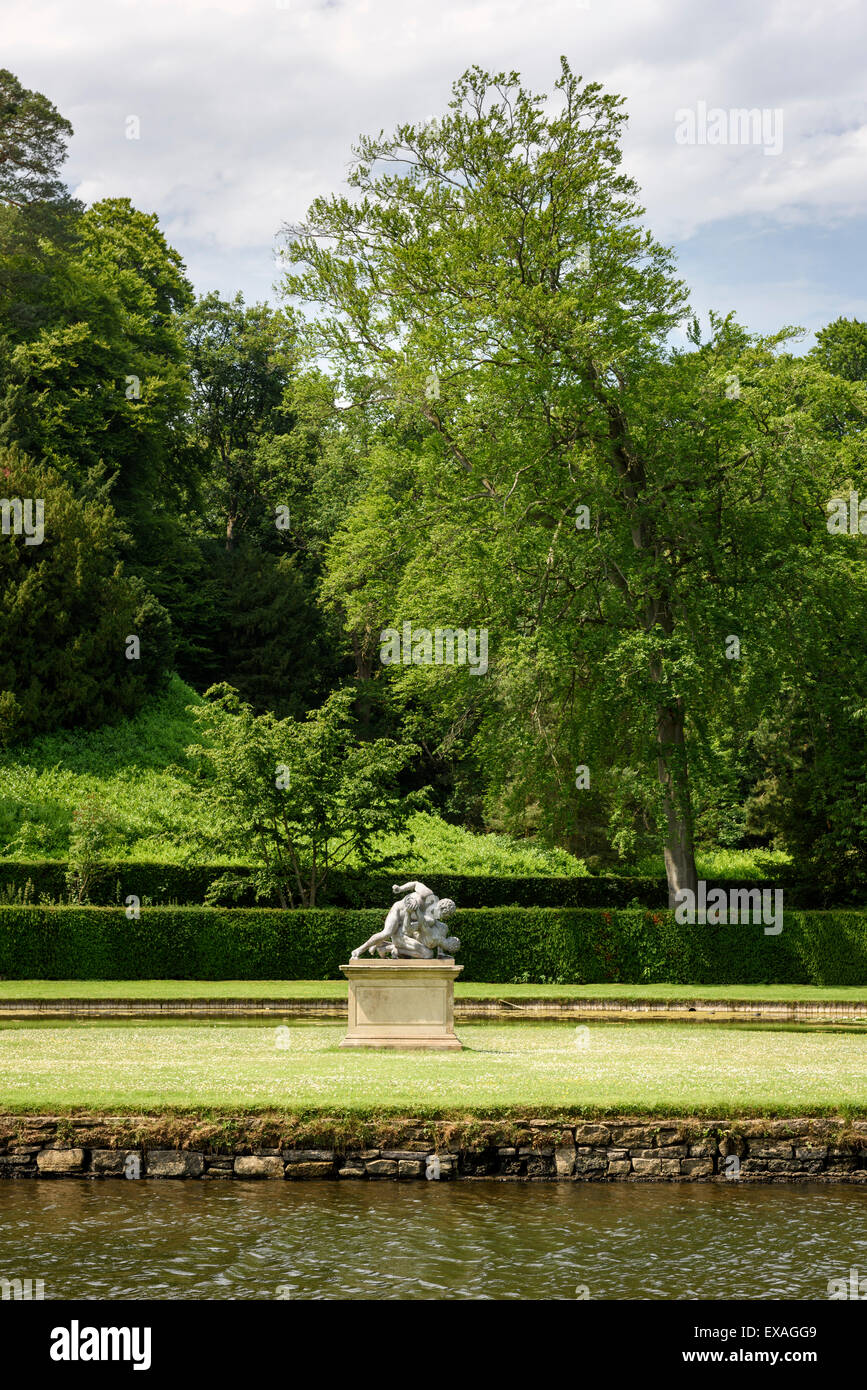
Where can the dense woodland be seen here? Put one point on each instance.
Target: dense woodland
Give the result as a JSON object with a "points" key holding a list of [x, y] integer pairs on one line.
{"points": [[466, 413]]}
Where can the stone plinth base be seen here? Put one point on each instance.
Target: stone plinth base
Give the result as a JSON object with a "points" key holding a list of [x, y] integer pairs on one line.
{"points": [[402, 1004]]}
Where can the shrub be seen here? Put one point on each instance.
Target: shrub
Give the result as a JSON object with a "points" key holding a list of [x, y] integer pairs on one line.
{"points": [[361, 888], [297, 795], [89, 839], [499, 945]]}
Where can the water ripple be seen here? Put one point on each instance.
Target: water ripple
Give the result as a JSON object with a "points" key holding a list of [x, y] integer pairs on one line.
{"points": [[481, 1240]]}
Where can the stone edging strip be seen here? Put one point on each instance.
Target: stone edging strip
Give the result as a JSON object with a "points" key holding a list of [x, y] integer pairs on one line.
{"points": [[616, 1149], [829, 1010]]}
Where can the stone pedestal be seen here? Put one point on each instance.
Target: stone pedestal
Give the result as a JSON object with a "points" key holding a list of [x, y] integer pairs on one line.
{"points": [[402, 1004]]}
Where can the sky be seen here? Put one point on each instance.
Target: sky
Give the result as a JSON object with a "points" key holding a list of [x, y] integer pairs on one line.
{"points": [[245, 110]]}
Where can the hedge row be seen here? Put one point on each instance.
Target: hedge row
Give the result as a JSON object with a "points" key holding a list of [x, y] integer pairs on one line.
{"points": [[181, 883], [500, 945]]}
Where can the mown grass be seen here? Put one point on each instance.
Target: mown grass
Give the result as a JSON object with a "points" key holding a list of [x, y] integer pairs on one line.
{"points": [[336, 989], [641, 1068]]}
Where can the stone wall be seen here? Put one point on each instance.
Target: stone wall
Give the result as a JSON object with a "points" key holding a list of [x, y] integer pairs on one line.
{"points": [[466, 1009], [613, 1150]]}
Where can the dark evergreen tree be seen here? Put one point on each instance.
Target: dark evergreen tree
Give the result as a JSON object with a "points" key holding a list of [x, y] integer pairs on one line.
{"points": [[81, 644]]}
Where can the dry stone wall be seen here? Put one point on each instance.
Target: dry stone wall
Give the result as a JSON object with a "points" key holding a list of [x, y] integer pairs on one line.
{"points": [[613, 1150]]}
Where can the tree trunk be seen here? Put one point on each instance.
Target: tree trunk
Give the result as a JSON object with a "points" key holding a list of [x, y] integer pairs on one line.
{"points": [[363, 659], [364, 676], [679, 847], [671, 763]]}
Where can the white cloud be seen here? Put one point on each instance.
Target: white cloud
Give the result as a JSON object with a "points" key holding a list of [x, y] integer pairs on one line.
{"points": [[248, 108]]}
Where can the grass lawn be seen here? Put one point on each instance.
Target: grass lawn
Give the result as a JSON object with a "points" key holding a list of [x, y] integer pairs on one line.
{"points": [[336, 989], [638, 1067]]}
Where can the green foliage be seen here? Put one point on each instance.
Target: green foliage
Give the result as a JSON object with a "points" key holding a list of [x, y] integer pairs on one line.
{"points": [[66, 611], [299, 796], [239, 579], [33, 138], [841, 347], [137, 771], [499, 945], [36, 211], [97, 388], [134, 769], [93, 385], [491, 298], [90, 843], [434, 846], [240, 360], [733, 864], [22, 892], [370, 886], [813, 750], [249, 618]]}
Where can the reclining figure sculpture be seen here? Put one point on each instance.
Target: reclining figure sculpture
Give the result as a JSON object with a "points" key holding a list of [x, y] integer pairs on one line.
{"points": [[414, 928]]}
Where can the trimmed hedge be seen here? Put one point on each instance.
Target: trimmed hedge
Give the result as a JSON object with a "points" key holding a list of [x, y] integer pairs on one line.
{"points": [[45, 880], [188, 883], [499, 945]]}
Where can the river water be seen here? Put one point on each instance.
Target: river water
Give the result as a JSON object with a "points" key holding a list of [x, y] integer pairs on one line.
{"points": [[470, 1240]]}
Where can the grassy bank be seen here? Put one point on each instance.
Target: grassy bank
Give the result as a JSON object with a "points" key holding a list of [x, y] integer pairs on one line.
{"points": [[138, 774]]}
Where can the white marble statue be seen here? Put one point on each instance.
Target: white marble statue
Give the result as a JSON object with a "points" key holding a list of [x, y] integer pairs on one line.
{"points": [[414, 928]]}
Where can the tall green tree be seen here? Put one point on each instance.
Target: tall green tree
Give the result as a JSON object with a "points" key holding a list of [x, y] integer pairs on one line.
{"points": [[613, 511], [92, 365], [36, 210], [241, 360], [33, 140], [100, 391], [811, 748], [68, 612], [841, 348], [246, 610]]}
